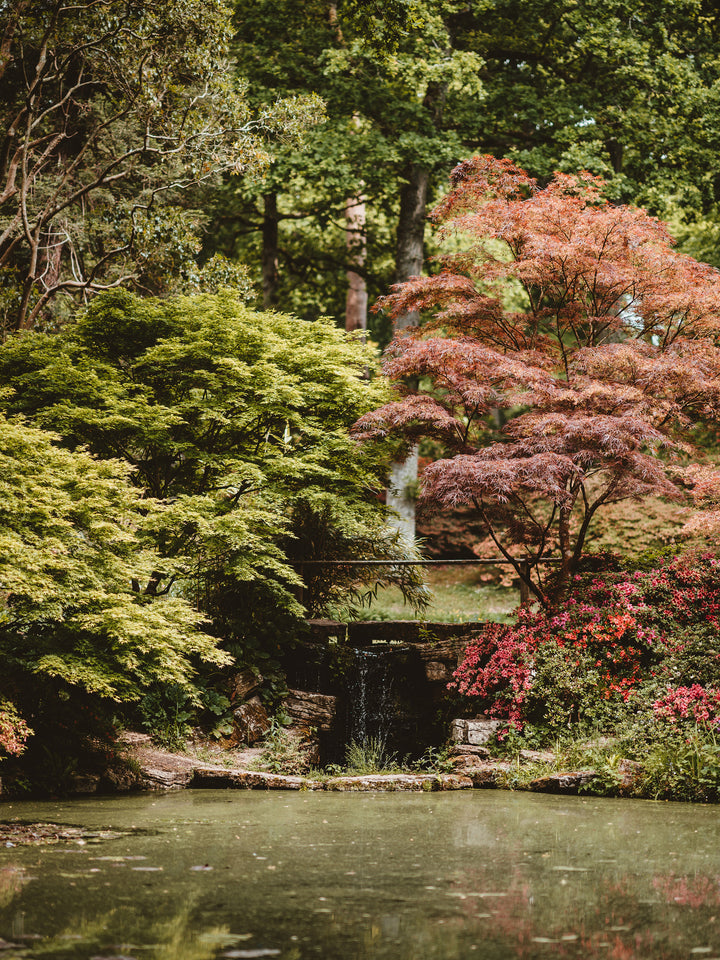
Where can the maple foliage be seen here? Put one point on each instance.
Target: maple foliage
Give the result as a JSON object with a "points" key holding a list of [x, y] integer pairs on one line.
{"points": [[580, 321]]}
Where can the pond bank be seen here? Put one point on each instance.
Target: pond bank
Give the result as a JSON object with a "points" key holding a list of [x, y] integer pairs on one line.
{"points": [[159, 769], [140, 765]]}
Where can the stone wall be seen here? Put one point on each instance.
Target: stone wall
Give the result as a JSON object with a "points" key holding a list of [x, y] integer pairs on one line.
{"points": [[423, 658]]}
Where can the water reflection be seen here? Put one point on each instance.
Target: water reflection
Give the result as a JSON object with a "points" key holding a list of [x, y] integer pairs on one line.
{"points": [[242, 875]]}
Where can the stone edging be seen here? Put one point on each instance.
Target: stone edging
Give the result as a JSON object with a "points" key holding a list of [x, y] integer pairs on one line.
{"points": [[172, 772]]}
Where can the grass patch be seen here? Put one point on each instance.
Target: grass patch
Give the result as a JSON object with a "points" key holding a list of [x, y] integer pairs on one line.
{"points": [[458, 594]]}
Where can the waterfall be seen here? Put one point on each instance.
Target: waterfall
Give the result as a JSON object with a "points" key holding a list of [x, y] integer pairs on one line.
{"points": [[371, 704]]}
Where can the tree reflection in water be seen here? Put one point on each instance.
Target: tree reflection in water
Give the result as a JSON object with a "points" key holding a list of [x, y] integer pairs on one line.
{"points": [[227, 875]]}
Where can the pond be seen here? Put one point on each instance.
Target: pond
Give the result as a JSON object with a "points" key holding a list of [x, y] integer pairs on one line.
{"points": [[235, 874]]}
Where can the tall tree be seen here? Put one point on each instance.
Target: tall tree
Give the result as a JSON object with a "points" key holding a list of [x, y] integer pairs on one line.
{"points": [[72, 541], [111, 111], [608, 353], [554, 85]]}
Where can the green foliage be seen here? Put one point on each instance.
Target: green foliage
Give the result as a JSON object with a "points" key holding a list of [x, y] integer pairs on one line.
{"points": [[233, 425], [396, 88], [126, 108], [683, 768], [434, 760], [370, 756], [620, 92], [70, 548], [282, 752], [167, 714]]}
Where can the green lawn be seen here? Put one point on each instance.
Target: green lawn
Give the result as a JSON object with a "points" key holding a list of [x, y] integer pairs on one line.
{"points": [[458, 594]]}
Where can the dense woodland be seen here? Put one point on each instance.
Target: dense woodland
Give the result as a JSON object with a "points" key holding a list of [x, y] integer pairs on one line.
{"points": [[256, 258]]}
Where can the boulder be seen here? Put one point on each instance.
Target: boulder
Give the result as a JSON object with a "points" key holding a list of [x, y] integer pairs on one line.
{"points": [[251, 721], [242, 684], [207, 775], [449, 650], [568, 783], [310, 710], [161, 778], [466, 762], [485, 777], [469, 750], [536, 756], [438, 672], [399, 782], [475, 732], [84, 783], [631, 771]]}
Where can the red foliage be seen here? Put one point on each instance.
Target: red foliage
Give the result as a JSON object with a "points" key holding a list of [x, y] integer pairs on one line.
{"points": [[13, 730], [602, 370], [613, 636], [501, 667]]}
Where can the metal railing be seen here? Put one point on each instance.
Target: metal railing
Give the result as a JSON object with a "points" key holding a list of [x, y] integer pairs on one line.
{"points": [[525, 566]]}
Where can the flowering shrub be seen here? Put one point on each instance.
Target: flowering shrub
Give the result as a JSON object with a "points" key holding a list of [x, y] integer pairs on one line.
{"points": [[13, 730], [497, 669], [694, 703], [621, 634], [551, 667]]}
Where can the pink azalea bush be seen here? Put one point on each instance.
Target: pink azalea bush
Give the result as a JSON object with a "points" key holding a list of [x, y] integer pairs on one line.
{"points": [[695, 703], [623, 642]]}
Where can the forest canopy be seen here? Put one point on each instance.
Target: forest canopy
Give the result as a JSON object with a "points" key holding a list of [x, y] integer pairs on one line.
{"points": [[200, 199]]}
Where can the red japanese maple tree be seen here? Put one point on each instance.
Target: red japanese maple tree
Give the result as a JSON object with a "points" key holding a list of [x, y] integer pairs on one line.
{"points": [[579, 321]]}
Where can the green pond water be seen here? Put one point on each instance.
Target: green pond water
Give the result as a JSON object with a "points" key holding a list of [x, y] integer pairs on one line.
{"points": [[236, 874]]}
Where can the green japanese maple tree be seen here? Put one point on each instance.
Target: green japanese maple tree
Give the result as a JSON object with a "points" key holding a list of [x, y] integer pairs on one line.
{"points": [[236, 423]]}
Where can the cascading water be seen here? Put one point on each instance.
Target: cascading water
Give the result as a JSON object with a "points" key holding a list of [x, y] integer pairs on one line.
{"points": [[371, 704]]}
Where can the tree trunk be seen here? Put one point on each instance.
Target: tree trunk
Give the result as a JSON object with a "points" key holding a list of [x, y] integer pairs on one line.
{"points": [[357, 299], [270, 251], [411, 232], [402, 484]]}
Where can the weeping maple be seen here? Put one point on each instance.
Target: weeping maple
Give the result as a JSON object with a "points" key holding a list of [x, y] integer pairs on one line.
{"points": [[587, 335]]}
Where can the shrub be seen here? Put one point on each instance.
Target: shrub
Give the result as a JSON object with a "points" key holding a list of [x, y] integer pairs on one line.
{"points": [[13, 730], [624, 644]]}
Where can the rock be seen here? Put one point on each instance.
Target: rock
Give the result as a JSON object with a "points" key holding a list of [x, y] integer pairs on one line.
{"points": [[84, 783], [311, 710], [485, 777], [160, 778], [449, 651], [467, 762], [251, 721], [458, 731], [631, 771], [134, 738], [242, 684], [474, 732], [455, 781], [206, 775], [119, 777], [480, 731], [469, 750], [326, 630], [437, 672], [308, 746], [536, 756], [569, 783], [399, 782]]}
